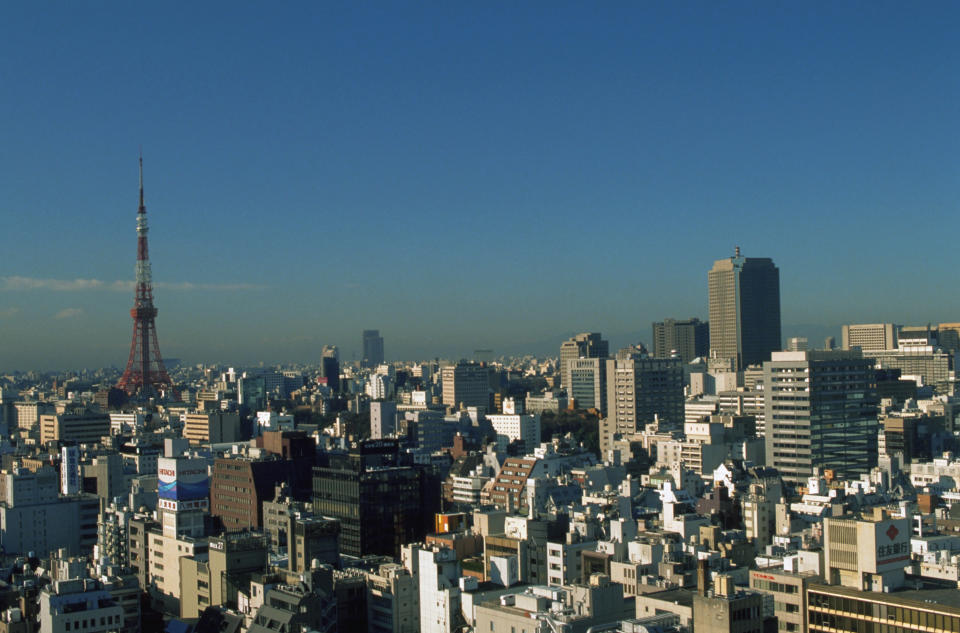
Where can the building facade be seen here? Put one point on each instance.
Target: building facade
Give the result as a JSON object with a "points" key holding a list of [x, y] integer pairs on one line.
{"points": [[688, 339], [869, 336], [372, 348], [583, 345], [744, 309], [640, 389], [821, 412]]}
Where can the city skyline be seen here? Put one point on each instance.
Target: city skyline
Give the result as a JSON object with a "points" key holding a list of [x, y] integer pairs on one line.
{"points": [[421, 180]]}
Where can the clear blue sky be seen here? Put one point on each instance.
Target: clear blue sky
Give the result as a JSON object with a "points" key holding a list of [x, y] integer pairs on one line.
{"points": [[466, 175]]}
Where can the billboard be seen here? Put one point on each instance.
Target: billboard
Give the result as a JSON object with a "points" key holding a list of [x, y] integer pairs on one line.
{"points": [[182, 479]]}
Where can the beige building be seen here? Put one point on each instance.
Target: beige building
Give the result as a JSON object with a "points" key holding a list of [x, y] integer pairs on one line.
{"points": [[583, 606], [466, 384], [868, 554], [869, 336], [789, 591], [640, 389], [393, 605], [166, 555], [82, 428], [28, 413], [212, 428], [212, 578], [583, 345]]}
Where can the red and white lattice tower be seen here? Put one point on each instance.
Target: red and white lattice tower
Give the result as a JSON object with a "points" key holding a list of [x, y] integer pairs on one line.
{"points": [[145, 374]]}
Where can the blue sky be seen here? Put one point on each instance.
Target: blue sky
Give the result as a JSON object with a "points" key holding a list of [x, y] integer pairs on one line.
{"points": [[466, 175]]}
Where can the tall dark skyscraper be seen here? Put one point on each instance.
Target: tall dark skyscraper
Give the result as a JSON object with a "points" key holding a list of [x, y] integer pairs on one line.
{"points": [[744, 309], [330, 366], [372, 348]]}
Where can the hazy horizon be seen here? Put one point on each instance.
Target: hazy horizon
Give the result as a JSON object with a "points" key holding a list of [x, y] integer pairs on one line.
{"points": [[465, 177]]}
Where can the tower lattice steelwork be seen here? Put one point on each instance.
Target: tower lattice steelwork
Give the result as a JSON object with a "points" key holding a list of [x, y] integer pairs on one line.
{"points": [[145, 373]]}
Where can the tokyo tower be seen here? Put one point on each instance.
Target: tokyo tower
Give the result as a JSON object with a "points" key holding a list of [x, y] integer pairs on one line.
{"points": [[145, 374]]}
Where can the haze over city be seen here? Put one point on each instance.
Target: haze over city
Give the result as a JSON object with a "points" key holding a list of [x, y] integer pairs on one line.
{"points": [[466, 177]]}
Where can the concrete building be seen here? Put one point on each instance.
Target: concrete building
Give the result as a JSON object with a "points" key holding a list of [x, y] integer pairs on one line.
{"points": [[240, 485], [28, 414], [139, 529], [34, 518], [550, 401], [297, 607], [587, 383], [821, 412], [688, 340], [838, 609], [744, 309], [213, 427], [183, 488], [516, 427], [383, 419], [108, 471], [81, 428], [868, 554], [372, 349], [564, 562], [727, 609], [640, 389], [789, 591], [932, 366], [393, 604], [572, 609], [214, 577], [78, 605], [438, 572], [869, 336], [466, 385], [312, 539], [113, 536], [583, 345]]}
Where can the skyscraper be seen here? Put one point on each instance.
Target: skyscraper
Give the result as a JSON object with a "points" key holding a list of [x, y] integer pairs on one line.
{"points": [[820, 412], [688, 339], [330, 366], [372, 348], [583, 345], [744, 309]]}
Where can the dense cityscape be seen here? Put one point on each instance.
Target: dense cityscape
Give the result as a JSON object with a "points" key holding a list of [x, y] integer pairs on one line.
{"points": [[716, 480], [479, 317]]}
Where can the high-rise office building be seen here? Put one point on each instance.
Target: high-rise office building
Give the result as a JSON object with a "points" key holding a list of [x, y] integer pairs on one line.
{"points": [[330, 366], [371, 489], [583, 345], [744, 309], [869, 336], [640, 388], [688, 339], [820, 412], [466, 384], [372, 348], [588, 383]]}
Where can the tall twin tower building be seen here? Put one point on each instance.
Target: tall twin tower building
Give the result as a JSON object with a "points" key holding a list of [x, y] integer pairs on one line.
{"points": [[744, 309]]}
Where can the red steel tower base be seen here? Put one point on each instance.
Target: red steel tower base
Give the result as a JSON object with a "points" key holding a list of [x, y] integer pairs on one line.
{"points": [[145, 374]]}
